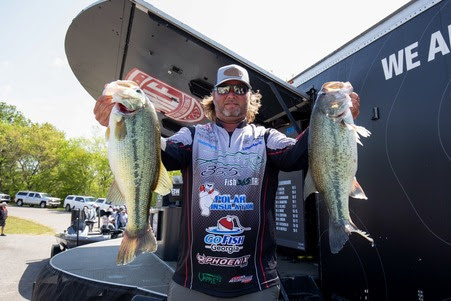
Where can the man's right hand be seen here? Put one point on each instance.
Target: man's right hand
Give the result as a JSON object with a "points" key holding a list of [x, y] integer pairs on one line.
{"points": [[103, 108]]}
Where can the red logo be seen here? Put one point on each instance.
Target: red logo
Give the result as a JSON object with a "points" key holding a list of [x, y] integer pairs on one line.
{"points": [[225, 223], [168, 100]]}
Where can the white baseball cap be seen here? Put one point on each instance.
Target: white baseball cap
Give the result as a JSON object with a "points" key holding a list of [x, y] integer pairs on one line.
{"points": [[232, 72]]}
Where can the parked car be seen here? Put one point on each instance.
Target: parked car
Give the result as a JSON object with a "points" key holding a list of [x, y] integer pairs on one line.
{"points": [[103, 204], [78, 202], [32, 198], [4, 197]]}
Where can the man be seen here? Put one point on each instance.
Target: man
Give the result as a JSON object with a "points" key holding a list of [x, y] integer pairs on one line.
{"points": [[3, 217], [122, 218], [230, 168]]}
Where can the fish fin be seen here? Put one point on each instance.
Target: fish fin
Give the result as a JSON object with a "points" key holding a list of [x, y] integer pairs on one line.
{"points": [[309, 185], [164, 184], [351, 227], [120, 130], [133, 245], [115, 195], [339, 234], [362, 131], [107, 133], [358, 131], [357, 191]]}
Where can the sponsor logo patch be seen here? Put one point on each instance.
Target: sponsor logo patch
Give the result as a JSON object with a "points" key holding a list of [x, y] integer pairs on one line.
{"points": [[241, 279], [209, 278], [252, 145], [224, 237], [227, 202], [223, 261], [241, 182]]}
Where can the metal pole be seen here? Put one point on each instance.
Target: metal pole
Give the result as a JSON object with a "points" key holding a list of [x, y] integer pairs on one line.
{"points": [[77, 220], [284, 106]]}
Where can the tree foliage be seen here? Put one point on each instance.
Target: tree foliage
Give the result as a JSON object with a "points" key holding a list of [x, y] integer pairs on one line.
{"points": [[10, 115], [39, 157]]}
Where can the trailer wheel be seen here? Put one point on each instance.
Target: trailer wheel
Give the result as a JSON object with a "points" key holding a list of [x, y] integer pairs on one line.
{"points": [[56, 249]]}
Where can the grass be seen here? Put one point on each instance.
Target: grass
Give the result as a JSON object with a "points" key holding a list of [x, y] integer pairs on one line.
{"points": [[15, 225]]}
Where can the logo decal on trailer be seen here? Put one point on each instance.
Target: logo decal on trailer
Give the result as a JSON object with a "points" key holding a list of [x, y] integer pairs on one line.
{"points": [[168, 100]]}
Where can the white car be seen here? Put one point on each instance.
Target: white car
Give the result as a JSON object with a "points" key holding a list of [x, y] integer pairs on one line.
{"points": [[4, 197], [32, 198], [72, 202], [103, 204]]}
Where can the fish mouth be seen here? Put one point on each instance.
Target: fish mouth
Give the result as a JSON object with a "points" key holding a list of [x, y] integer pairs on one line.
{"points": [[125, 110], [335, 116], [340, 115]]}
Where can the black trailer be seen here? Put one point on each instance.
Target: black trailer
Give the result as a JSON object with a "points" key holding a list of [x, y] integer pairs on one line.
{"points": [[401, 69]]}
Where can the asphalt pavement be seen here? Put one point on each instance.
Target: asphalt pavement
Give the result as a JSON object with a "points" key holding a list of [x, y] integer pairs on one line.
{"points": [[23, 256]]}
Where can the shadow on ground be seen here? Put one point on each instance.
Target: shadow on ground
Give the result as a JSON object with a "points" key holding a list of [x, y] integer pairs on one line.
{"points": [[29, 277]]}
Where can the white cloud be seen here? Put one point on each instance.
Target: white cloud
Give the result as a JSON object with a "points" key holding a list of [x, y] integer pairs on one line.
{"points": [[5, 91], [59, 62], [4, 63]]}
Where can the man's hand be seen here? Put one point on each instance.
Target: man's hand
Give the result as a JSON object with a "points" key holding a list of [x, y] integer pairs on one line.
{"points": [[355, 109], [103, 108]]}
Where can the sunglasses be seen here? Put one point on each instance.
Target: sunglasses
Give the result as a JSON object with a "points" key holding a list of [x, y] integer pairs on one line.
{"points": [[237, 89]]}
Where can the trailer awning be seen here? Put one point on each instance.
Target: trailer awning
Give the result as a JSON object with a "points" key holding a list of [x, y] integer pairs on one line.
{"points": [[175, 65]]}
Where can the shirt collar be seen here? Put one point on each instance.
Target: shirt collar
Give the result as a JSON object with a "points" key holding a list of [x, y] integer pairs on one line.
{"points": [[220, 123]]}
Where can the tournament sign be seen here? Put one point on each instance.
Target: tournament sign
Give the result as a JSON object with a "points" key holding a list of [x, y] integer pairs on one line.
{"points": [[168, 100]]}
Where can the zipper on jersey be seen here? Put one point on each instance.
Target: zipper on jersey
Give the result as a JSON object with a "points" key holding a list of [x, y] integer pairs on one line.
{"points": [[230, 137]]}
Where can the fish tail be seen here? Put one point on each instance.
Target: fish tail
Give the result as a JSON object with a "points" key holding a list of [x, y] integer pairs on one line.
{"points": [[339, 234], [132, 244]]}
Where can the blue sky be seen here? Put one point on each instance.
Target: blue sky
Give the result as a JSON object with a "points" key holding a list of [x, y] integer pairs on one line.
{"points": [[36, 78]]}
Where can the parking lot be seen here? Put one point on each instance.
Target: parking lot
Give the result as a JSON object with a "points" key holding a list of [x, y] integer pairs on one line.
{"points": [[23, 256]]}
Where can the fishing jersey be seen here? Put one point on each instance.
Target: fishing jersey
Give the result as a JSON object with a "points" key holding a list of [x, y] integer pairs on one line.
{"points": [[227, 237]]}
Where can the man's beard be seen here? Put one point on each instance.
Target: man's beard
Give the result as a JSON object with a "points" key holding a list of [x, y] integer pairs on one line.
{"points": [[231, 113]]}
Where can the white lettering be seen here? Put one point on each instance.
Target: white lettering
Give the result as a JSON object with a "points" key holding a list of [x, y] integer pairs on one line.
{"points": [[393, 64], [410, 64], [437, 45]]}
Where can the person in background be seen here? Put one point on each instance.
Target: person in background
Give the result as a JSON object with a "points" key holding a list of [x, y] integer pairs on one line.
{"points": [[90, 216], [115, 216], [122, 217], [3, 217], [230, 167], [107, 221]]}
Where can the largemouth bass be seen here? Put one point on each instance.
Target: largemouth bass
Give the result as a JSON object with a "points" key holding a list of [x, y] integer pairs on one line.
{"points": [[133, 139], [333, 139]]}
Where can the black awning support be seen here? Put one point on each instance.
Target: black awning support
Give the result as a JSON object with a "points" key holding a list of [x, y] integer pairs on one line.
{"points": [[284, 106], [127, 40]]}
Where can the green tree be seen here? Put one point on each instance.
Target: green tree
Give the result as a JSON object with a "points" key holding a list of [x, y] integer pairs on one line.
{"points": [[102, 175], [12, 123], [8, 134], [39, 157], [10, 115]]}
